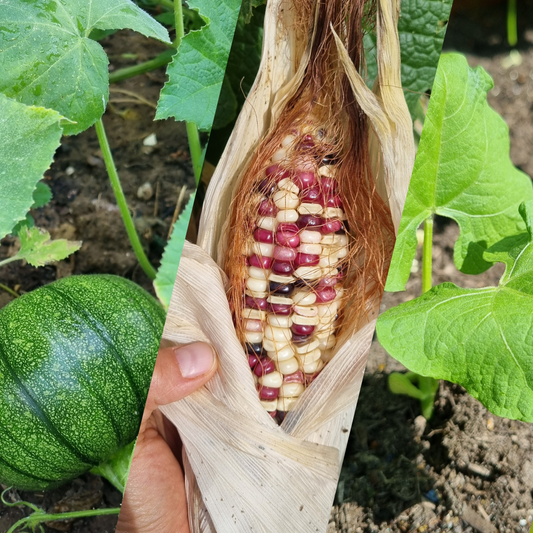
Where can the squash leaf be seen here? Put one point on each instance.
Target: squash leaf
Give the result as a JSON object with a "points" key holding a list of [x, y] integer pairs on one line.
{"points": [[196, 73], [479, 338], [421, 30], [39, 250], [166, 275], [462, 171], [48, 58], [29, 137]]}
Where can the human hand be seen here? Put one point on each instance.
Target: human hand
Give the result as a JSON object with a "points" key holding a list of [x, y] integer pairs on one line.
{"points": [[154, 500]]}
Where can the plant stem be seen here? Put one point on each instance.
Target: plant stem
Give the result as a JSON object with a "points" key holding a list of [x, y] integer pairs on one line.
{"points": [[121, 201], [427, 259], [37, 518], [193, 137], [129, 72], [8, 290], [512, 31]]}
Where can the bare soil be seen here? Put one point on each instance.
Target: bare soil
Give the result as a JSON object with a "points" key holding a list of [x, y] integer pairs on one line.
{"points": [[465, 470], [84, 208]]}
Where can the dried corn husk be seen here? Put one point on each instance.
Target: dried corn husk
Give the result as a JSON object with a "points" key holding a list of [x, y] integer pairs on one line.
{"points": [[243, 472]]}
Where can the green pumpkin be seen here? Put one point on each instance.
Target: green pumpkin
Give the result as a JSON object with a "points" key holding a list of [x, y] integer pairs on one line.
{"points": [[76, 360]]}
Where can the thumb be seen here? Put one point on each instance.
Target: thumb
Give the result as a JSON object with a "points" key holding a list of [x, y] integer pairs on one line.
{"points": [[178, 372]]}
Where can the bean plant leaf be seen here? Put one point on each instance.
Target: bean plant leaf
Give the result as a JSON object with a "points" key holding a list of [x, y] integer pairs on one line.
{"points": [[49, 60], [479, 338], [421, 30], [29, 136], [196, 73], [38, 249], [166, 275], [462, 171]]}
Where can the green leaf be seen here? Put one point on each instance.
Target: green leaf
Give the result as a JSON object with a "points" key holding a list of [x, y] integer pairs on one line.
{"points": [[247, 9], [421, 30], [29, 136], [48, 58], [462, 171], [196, 73], [39, 250], [166, 275], [479, 338], [41, 195]]}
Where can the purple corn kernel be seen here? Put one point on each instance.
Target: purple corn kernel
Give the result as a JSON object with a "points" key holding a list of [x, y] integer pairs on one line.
{"points": [[328, 186], [305, 179], [284, 289], [307, 260], [299, 329], [252, 360], [267, 208], [330, 281], [272, 413], [297, 377], [326, 294], [260, 261], [300, 339], [256, 303], [283, 254], [277, 173], [280, 309], [254, 348], [331, 225], [263, 235], [287, 238], [268, 393], [309, 221], [264, 366], [333, 201], [313, 195], [282, 269], [267, 187]]}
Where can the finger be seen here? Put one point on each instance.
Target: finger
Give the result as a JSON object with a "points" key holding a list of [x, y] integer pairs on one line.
{"points": [[178, 372]]}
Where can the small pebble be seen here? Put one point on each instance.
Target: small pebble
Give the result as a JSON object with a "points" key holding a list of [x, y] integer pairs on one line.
{"points": [[145, 191], [151, 140]]}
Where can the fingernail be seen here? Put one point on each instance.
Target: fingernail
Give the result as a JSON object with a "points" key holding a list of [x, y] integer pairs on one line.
{"points": [[195, 359]]}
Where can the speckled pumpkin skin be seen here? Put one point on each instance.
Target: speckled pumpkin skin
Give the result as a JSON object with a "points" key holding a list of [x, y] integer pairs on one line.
{"points": [[76, 360]]}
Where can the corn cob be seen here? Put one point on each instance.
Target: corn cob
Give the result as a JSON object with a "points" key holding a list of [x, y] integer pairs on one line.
{"points": [[310, 236]]}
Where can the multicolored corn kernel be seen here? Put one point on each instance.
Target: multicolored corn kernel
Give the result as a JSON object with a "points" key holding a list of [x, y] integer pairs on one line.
{"points": [[293, 281]]}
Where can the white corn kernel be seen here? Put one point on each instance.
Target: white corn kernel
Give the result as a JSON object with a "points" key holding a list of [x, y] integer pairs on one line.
{"points": [[288, 141], [274, 380], [279, 155], [289, 366], [291, 390], [257, 273], [304, 298], [262, 249], [311, 237], [327, 356], [341, 252], [287, 215], [312, 249], [289, 185], [268, 223], [305, 320], [306, 348], [270, 405], [286, 280], [279, 321], [329, 238], [253, 314], [312, 367], [327, 342], [341, 240], [286, 199], [256, 294], [304, 310], [280, 300], [282, 354], [286, 404], [328, 310], [310, 209], [313, 355], [277, 334], [334, 212], [253, 337], [328, 261], [256, 285], [308, 272], [328, 171]]}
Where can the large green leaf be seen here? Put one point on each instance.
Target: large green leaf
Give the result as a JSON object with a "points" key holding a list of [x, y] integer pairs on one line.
{"points": [[479, 338], [166, 275], [421, 29], [196, 73], [462, 171], [29, 136], [49, 60]]}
